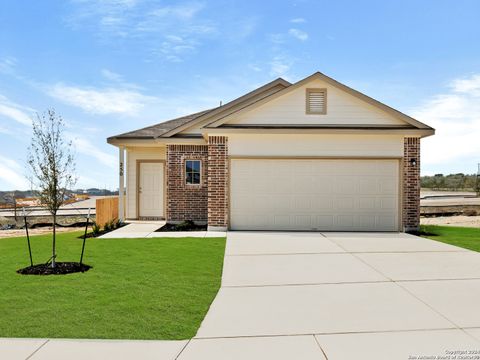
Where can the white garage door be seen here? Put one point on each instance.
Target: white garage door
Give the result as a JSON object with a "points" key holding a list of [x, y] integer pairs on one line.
{"points": [[336, 195]]}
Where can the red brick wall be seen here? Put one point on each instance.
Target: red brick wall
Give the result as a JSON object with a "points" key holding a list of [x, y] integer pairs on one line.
{"points": [[217, 181], [411, 184], [186, 202]]}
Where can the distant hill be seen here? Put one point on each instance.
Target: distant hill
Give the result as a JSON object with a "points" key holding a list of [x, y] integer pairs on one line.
{"points": [[6, 196], [451, 182]]}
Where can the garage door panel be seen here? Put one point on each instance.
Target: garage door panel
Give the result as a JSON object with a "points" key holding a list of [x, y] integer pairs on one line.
{"points": [[325, 222], [344, 185], [388, 203], [302, 194], [368, 203], [366, 221], [322, 202], [368, 185], [322, 185], [387, 185], [344, 203]]}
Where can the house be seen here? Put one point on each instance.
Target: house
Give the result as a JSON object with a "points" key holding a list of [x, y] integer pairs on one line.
{"points": [[313, 155]]}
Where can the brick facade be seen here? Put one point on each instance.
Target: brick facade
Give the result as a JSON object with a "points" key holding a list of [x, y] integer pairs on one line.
{"points": [[411, 184], [186, 202], [217, 182], [208, 202]]}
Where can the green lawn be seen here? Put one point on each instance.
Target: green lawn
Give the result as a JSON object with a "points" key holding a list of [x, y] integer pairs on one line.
{"points": [[468, 238], [137, 289]]}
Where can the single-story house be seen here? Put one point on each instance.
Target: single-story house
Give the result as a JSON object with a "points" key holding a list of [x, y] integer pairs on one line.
{"points": [[312, 155]]}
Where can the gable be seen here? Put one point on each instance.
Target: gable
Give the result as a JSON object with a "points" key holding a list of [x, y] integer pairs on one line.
{"points": [[195, 127], [290, 109]]}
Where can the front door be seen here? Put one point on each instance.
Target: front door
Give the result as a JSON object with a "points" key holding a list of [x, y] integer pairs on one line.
{"points": [[150, 190]]}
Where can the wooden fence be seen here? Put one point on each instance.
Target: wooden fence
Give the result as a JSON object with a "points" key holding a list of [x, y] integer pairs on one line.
{"points": [[107, 209]]}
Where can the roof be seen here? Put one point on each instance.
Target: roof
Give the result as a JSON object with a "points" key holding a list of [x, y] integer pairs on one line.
{"points": [[216, 117], [154, 131]]}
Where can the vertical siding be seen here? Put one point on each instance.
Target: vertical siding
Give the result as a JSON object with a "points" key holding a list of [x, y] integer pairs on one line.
{"points": [[134, 154]]}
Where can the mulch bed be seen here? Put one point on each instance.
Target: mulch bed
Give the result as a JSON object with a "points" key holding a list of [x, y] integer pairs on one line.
{"points": [[181, 227], [61, 268]]}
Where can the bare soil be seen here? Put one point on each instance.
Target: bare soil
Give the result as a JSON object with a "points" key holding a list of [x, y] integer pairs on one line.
{"points": [[459, 220], [36, 231]]}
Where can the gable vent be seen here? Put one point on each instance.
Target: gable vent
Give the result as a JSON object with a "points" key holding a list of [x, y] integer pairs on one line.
{"points": [[316, 101]]}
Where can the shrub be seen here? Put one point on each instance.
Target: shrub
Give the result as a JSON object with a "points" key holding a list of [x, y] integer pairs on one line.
{"points": [[95, 229], [107, 226]]}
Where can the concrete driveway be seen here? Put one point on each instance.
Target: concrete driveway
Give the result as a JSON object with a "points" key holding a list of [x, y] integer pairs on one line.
{"points": [[341, 296]]}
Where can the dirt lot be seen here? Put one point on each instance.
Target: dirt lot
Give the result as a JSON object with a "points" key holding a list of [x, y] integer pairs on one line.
{"points": [[460, 220], [37, 231]]}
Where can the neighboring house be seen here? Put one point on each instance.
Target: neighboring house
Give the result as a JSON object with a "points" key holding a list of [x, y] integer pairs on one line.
{"points": [[313, 155]]}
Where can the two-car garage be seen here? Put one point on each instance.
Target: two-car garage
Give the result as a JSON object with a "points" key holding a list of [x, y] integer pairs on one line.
{"points": [[314, 194]]}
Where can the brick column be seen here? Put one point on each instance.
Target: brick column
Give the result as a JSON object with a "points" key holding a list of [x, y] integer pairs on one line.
{"points": [[411, 184], [184, 201], [217, 183]]}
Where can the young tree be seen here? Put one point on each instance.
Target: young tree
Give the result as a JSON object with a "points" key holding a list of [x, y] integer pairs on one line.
{"points": [[51, 164]]}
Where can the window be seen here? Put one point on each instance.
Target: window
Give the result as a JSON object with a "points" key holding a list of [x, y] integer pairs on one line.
{"points": [[316, 101], [192, 172]]}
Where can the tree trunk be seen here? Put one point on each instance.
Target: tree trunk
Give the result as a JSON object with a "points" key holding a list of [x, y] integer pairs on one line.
{"points": [[53, 240]]}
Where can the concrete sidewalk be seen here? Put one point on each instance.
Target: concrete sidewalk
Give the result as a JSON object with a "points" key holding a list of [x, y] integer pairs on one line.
{"points": [[40, 349], [147, 229]]}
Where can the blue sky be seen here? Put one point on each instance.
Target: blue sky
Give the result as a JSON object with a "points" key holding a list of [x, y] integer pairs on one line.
{"points": [[116, 65]]}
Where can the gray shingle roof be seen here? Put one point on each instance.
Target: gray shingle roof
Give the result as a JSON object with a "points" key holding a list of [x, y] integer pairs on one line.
{"points": [[154, 131]]}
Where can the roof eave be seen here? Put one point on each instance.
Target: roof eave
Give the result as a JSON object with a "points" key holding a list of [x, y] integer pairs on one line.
{"points": [[415, 132], [154, 142]]}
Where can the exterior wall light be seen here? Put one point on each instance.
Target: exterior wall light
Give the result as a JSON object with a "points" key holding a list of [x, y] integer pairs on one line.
{"points": [[413, 161]]}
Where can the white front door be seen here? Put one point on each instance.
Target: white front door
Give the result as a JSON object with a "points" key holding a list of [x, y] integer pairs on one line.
{"points": [[296, 194], [150, 190]]}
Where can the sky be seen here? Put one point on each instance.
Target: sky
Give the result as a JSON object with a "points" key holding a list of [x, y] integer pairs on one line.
{"points": [[111, 66]]}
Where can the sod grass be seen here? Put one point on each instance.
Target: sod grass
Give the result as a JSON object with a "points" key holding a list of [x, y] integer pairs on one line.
{"points": [[150, 288], [468, 238]]}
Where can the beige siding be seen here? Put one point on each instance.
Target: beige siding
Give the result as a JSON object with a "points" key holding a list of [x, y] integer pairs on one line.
{"points": [[342, 108], [134, 154], [315, 145]]}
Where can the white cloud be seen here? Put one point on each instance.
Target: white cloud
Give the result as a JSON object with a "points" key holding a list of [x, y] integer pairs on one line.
{"points": [[298, 34], [7, 65], [280, 66], [254, 67], [467, 85], [455, 115], [174, 46], [114, 20], [276, 39], [4, 130], [182, 11], [16, 112], [112, 76], [298, 20], [10, 173], [101, 100], [85, 147]]}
